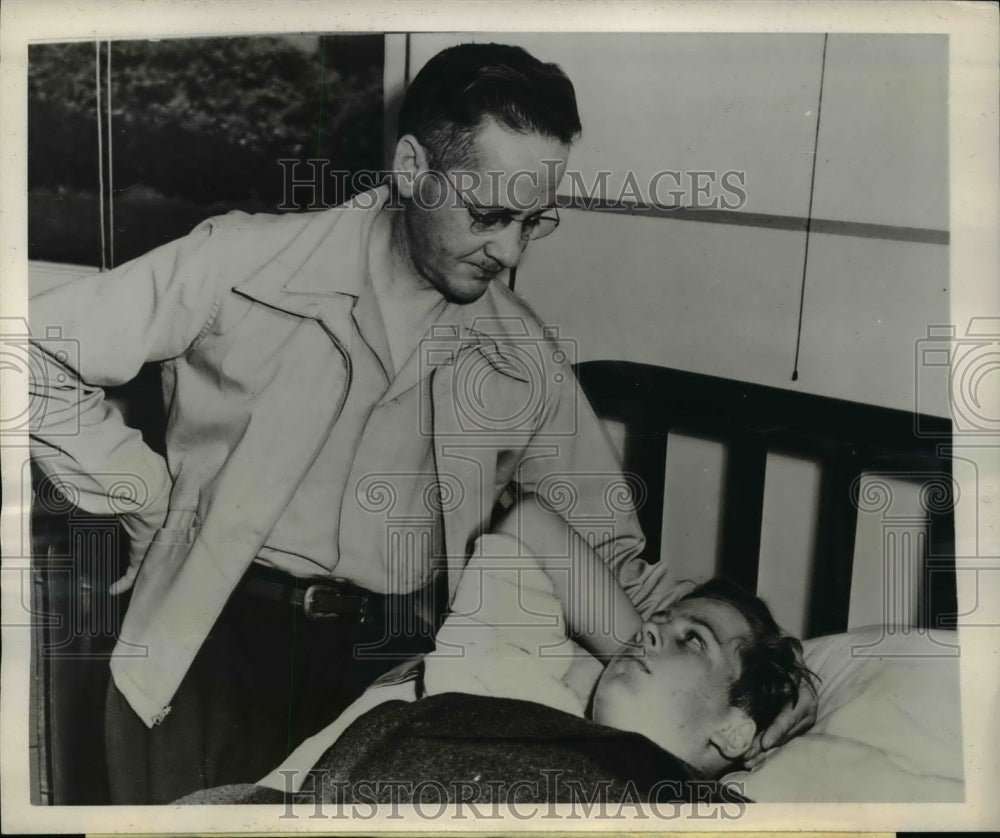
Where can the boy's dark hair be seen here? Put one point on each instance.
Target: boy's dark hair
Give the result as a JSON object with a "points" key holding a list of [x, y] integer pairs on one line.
{"points": [[771, 668], [462, 85]]}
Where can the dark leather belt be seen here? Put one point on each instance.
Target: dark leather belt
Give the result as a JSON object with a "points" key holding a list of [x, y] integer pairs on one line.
{"points": [[318, 598]]}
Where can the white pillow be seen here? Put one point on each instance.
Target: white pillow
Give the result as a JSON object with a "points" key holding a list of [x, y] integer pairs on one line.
{"points": [[888, 727]]}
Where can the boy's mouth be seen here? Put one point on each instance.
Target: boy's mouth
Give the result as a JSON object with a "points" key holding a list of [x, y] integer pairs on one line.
{"points": [[638, 657]]}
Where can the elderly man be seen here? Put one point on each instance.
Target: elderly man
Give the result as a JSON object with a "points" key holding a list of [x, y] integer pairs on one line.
{"points": [[350, 399]]}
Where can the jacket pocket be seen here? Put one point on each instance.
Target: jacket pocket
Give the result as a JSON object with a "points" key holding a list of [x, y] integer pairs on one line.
{"points": [[168, 549], [164, 551]]}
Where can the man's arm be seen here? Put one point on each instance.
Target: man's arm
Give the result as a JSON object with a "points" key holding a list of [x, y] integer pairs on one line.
{"points": [[597, 609], [98, 331], [582, 482]]}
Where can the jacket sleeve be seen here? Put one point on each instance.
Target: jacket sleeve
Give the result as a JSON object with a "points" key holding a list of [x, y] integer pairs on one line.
{"points": [[582, 480], [98, 331]]}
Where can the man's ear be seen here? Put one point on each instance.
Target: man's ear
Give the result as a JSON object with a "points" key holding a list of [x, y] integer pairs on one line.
{"points": [[735, 734], [409, 159]]}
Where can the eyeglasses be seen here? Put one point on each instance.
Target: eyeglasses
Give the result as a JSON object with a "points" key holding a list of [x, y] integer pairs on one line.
{"points": [[484, 220]]}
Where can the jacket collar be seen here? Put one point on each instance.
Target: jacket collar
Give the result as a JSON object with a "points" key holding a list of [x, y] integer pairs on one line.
{"points": [[317, 257], [321, 256]]}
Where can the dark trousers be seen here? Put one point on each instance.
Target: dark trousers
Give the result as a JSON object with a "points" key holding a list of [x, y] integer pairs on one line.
{"points": [[266, 678]]}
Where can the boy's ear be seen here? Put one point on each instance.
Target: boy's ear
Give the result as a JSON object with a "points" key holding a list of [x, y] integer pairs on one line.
{"points": [[735, 734]]}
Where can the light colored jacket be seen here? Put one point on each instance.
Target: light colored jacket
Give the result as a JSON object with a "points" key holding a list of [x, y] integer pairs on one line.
{"points": [[248, 317]]}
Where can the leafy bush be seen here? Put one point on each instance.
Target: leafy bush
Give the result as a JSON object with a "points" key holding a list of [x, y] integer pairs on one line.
{"points": [[202, 121]]}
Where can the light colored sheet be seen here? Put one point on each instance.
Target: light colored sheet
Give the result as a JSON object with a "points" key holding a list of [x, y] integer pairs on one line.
{"points": [[506, 634]]}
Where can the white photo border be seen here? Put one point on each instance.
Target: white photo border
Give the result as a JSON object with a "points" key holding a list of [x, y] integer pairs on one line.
{"points": [[975, 256]]}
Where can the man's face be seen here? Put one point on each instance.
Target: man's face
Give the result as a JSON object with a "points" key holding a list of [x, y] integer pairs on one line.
{"points": [[514, 177], [674, 687]]}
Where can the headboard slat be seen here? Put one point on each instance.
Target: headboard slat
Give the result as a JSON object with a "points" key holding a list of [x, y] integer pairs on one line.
{"points": [[940, 601], [646, 457], [742, 510], [834, 558]]}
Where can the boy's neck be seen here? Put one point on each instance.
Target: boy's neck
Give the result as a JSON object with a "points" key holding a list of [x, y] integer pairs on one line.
{"points": [[582, 677]]}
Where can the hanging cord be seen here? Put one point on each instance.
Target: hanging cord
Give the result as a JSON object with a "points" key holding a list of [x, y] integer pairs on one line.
{"points": [[100, 149], [812, 187], [111, 185]]}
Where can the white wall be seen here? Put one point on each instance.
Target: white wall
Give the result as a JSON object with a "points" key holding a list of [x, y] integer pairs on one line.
{"points": [[723, 298], [883, 144]]}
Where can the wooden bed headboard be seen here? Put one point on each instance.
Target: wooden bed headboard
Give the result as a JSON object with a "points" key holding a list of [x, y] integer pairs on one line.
{"points": [[881, 540]]}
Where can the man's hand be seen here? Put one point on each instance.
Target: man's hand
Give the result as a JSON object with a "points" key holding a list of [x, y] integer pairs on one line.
{"points": [[140, 528], [140, 533], [793, 720], [126, 582]]}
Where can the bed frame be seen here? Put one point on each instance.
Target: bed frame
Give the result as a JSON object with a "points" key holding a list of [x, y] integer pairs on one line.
{"points": [[846, 439], [79, 553]]}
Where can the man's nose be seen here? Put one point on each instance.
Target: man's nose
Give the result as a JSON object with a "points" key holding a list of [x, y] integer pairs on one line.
{"points": [[507, 245]]}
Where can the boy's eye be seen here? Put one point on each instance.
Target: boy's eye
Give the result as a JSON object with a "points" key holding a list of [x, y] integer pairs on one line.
{"points": [[692, 638]]}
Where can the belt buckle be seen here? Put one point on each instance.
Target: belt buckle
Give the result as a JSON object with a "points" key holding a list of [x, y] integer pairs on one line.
{"points": [[327, 601]]}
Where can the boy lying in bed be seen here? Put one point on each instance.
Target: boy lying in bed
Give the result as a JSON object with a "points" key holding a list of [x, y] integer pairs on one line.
{"points": [[510, 709]]}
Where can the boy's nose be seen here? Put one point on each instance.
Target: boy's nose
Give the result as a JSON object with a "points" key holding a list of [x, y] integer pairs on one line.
{"points": [[650, 636]]}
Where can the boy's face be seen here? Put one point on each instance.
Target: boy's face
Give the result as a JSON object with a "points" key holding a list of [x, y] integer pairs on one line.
{"points": [[674, 687]]}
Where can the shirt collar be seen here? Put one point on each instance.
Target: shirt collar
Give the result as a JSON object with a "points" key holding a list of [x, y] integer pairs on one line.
{"points": [[480, 325]]}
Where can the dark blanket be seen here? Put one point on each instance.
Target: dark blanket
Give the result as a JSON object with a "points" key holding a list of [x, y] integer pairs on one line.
{"points": [[473, 749]]}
